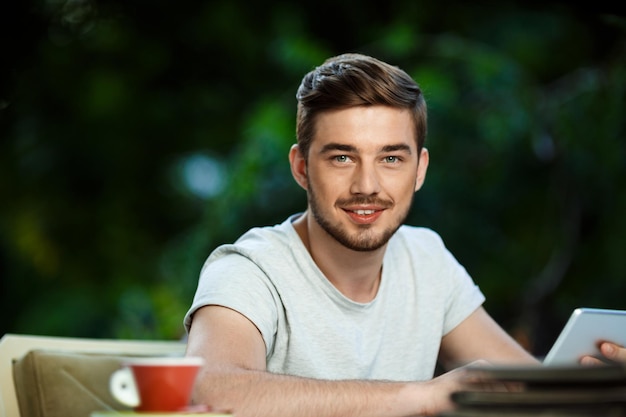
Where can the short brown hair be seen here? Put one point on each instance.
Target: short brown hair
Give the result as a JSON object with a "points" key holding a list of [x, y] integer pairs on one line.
{"points": [[351, 80]]}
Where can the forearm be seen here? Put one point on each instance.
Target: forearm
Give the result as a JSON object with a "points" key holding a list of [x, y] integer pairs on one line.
{"points": [[262, 394]]}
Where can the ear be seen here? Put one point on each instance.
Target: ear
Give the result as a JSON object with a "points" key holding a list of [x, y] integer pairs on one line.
{"points": [[298, 166], [422, 167]]}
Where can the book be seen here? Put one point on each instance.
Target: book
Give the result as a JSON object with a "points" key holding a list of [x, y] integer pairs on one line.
{"points": [[554, 391]]}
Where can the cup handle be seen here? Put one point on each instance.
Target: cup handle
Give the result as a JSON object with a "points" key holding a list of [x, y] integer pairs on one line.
{"points": [[123, 388]]}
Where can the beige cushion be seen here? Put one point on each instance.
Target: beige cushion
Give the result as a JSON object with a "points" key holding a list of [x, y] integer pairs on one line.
{"points": [[63, 384]]}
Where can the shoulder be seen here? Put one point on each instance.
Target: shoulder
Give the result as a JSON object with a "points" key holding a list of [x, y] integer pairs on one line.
{"points": [[261, 239], [265, 248], [418, 238], [420, 243]]}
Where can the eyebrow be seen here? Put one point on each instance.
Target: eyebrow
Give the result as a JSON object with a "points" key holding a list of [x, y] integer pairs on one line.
{"points": [[399, 147], [337, 147], [349, 148]]}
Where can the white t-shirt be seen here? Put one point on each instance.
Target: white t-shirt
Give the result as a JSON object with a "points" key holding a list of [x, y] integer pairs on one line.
{"points": [[312, 330]]}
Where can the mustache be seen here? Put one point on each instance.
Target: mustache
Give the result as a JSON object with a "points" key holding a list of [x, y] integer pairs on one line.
{"points": [[364, 201]]}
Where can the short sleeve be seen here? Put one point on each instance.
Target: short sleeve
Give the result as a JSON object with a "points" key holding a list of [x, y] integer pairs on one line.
{"points": [[231, 280]]}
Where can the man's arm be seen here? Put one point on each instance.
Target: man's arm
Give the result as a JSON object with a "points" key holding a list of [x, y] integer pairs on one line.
{"points": [[235, 379], [480, 337]]}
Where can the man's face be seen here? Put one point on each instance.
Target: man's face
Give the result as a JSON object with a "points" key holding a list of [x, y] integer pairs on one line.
{"points": [[363, 169]]}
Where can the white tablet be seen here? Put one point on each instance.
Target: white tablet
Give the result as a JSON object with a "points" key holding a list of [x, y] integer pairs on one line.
{"points": [[583, 331]]}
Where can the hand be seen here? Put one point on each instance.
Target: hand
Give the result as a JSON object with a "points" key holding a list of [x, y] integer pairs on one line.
{"points": [[464, 378], [611, 351]]}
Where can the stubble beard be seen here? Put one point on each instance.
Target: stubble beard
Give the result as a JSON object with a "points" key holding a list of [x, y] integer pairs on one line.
{"points": [[365, 240]]}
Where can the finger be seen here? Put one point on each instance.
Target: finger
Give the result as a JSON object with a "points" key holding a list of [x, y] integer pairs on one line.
{"points": [[590, 361], [614, 352]]}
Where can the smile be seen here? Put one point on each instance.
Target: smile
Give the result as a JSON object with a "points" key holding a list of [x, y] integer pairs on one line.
{"points": [[364, 212], [364, 216]]}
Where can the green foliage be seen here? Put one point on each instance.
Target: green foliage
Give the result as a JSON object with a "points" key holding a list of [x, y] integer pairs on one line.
{"points": [[101, 233]]}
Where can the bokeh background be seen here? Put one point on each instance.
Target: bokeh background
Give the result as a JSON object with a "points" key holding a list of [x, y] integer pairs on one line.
{"points": [[136, 136]]}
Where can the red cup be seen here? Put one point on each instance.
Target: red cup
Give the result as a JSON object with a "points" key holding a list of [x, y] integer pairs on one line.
{"points": [[155, 384]]}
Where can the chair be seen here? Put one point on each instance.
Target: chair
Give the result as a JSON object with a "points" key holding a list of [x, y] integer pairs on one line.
{"points": [[15, 348]]}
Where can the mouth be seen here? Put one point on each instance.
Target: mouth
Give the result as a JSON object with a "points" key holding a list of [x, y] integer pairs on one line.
{"points": [[364, 216], [363, 212]]}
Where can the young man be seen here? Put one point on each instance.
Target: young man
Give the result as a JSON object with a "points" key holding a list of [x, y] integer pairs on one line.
{"points": [[342, 310]]}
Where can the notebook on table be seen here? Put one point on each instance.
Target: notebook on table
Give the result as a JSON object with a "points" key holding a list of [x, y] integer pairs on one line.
{"points": [[550, 391], [559, 386]]}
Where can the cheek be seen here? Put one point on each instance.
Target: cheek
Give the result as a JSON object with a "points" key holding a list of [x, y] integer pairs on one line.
{"points": [[401, 187], [326, 184], [327, 190]]}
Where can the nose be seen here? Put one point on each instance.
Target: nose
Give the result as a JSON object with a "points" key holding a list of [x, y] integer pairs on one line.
{"points": [[365, 180]]}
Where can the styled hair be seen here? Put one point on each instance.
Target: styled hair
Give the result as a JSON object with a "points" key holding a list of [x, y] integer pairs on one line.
{"points": [[351, 80]]}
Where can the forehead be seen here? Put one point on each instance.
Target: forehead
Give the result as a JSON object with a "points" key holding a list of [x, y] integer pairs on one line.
{"points": [[365, 126]]}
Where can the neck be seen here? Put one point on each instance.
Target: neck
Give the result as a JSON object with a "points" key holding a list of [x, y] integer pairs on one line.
{"points": [[355, 274]]}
